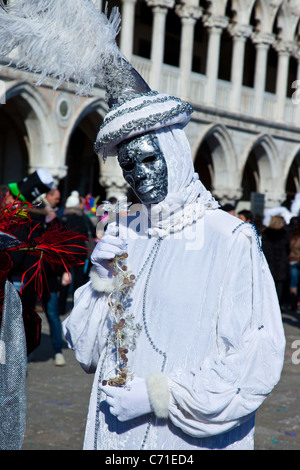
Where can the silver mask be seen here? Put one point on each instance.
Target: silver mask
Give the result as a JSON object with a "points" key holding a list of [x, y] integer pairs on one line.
{"points": [[144, 168]]}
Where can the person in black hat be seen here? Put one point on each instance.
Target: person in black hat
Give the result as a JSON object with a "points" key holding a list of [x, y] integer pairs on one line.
{"points": [[32, 186], [30, 189], [26, 190]]}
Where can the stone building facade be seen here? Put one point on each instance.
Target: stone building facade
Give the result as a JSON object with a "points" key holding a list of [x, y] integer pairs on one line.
{"points": [[236, 61]]}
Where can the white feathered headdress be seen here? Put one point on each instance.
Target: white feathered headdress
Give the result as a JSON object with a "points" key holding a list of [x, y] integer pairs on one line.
{"points": [[71, 40], [63, 39]]}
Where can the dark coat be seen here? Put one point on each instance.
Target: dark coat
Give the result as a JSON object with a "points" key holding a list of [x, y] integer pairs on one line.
{"points": [[276, 247]]}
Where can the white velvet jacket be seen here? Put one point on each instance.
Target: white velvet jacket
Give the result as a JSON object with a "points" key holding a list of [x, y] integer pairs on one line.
{"points": [[212, 308]]}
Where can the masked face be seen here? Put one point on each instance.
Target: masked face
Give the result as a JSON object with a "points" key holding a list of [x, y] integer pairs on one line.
{"points": [[144, 168]]}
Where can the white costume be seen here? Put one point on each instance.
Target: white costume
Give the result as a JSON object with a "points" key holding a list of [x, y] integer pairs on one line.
{"points": [[210, 319]]}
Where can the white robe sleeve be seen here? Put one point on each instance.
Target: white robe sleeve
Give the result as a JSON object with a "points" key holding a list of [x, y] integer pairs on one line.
{"points": [[86, 328], [247, 352]]}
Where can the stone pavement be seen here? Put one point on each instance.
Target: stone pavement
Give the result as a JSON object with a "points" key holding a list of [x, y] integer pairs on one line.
{"points": [[57, 399]]}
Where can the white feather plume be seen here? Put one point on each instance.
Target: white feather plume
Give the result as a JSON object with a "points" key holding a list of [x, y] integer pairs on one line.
{"points": [[63, 39]]}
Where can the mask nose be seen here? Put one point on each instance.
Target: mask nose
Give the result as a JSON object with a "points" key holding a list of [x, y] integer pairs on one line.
{"points": [[141, 172]]}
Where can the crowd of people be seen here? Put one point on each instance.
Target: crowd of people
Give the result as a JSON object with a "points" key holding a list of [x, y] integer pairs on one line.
{"points": [[74, 215], [77, 214], [281, 246]]}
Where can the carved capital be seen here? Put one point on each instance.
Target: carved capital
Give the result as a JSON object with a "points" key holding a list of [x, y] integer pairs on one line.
{"points": [[241, 31], [226, 194], [161, 3], [296, 53], [188, 11], [285, 47], [260, 38], [213, 21]]}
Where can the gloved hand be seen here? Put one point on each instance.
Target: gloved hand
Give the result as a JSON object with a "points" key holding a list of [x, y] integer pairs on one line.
{"points": [[105, 250], [128, 402]]}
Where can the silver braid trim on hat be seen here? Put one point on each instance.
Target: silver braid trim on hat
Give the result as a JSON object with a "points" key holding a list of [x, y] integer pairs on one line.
{"points": [[141, 123]]}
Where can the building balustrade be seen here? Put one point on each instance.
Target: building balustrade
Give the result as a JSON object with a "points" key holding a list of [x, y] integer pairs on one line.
{"points": [[170, 83]]}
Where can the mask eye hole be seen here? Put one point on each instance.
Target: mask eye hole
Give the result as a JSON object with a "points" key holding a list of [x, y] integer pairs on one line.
{"points": [[149, 159], [128, 166]]}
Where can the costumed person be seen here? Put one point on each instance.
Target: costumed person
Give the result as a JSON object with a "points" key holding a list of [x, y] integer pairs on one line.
{"points": [[180, 322], [20, 330], [32, 186], [28, 190], [39, 190], [20, 325]]}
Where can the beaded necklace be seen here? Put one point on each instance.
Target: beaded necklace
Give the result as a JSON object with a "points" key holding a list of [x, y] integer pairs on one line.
{"points": [[150, 258]]}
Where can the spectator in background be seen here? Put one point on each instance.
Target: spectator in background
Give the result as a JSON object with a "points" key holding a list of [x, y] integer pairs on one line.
{"points": [[276, 247], [294, 259], [44, 213], [75, 219], [245, 215], [49, 202], [229, 208]]}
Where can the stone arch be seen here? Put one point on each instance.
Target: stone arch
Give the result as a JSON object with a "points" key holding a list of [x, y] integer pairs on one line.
{"points": [[260, 169], [82, 163], [242, 10], [221, 161], [291, 174], [287, 19], [42, 138], [265, 14]]}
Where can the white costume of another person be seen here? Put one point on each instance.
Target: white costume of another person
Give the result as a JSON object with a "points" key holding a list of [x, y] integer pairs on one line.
{"points": [[207, 342]]}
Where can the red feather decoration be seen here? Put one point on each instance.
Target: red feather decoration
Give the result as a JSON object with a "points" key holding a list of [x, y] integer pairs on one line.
{"points": [[13, 215], [56, 247]]}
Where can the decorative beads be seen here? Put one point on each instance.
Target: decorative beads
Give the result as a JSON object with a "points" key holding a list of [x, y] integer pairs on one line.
{"points": [[123, 351], [255, 232]]}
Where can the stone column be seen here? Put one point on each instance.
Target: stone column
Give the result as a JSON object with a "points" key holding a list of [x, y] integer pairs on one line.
{"points": [[160, 10], [284, 49], [215, 26], [262, 43], [239, 33], [111, 178], [296, 86], [189, 15], [127, 28]]}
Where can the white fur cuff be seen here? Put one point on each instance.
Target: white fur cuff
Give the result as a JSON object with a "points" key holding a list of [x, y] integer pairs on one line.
{"points": [[158, 390], [99, 284]]}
